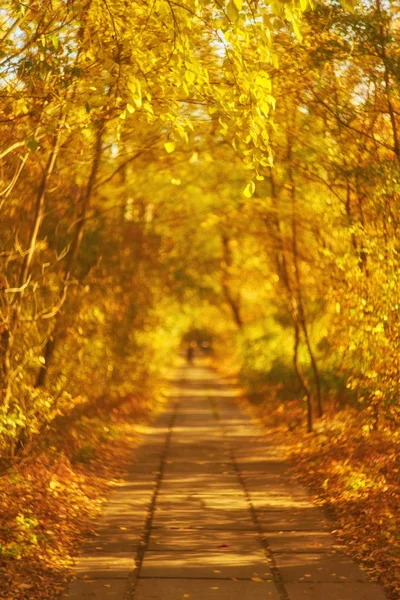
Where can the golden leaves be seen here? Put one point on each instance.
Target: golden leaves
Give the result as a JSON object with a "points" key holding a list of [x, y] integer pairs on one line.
{"points": [[249, 189], [232, 11], [169, 147]]}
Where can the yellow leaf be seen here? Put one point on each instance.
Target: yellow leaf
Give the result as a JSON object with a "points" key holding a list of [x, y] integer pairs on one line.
{"points": [[169, 147], [297, 31], [232, 11], [349, 4], [190, 77], [130, 108], [249, 189]]}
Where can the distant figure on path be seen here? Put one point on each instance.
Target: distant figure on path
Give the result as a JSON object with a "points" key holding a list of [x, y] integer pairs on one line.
{"points": [[190, 353]]}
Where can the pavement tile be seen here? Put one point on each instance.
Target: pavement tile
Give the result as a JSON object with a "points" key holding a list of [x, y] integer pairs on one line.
{"points": [[184, 483], [334, 591], [125, 497], [293, 519], [200, 492], [120, 509], [114, 542], [203, 589], [141, 469], [104, 589], [198, 519], [138, 485], [204, 540], [100, 565], [113, 528], [205, 565], [190, 453], [200, 467], [288, 541], [263, 467], [203, 502], [280, 497], [264, 483], [121, 522], [318, 567], [199, 446]]}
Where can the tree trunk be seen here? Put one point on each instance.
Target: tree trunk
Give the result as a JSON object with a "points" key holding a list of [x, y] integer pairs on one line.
{"points": [[298, 286], [386, 78], [284, 274], [73, 253], [233, 303], [301, 377]]}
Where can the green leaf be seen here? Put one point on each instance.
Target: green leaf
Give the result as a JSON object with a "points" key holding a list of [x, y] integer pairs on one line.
{"points": [[32, 145]]}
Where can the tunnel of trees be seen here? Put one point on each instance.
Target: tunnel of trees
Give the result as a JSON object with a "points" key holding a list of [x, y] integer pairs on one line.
{"points": [[181, 166]]}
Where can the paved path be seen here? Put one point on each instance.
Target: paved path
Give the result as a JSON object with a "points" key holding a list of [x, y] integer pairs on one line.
{"points": [[208, 511]]}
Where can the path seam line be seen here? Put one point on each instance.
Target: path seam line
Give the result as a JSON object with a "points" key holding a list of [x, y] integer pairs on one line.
{"points": [[276, 576], [134, 576]]}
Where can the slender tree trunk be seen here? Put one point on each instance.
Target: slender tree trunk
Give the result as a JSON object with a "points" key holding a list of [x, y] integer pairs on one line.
{"points": [[386, 78], [72, 256], [284, 274], [233, 302], [301, 377], [350, 216], [298, 287]]}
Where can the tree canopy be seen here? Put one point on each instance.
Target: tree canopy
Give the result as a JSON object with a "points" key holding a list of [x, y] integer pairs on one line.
{"points": [[166, 165]]}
